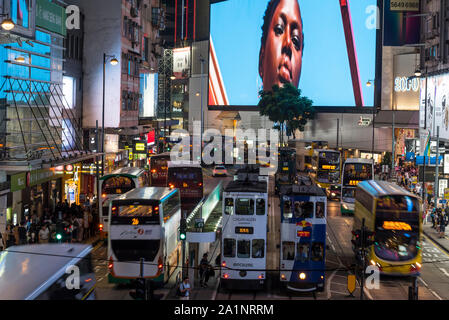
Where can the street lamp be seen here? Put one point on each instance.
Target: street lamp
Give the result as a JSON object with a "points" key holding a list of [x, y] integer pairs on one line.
{"points": [[7, 24], [369, 84], [113, 60]]}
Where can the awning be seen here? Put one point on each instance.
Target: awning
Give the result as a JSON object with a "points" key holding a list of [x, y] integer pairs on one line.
{"points": [[402, 119]]}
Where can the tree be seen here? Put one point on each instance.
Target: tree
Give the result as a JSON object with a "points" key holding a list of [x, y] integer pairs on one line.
{"points": [[387, 159], [286, 108]]}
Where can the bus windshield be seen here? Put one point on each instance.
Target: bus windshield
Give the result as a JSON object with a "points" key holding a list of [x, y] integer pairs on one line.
{"points": [[147, 213], [159, 164], [186, 177], [356, 172], [117, 185], [331, 159], [397, 228]]}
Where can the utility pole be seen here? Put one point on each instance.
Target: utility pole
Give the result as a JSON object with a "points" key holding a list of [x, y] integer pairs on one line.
{"points": [[362, 236], [436, 189], [97, 169], [393, 148], [338, 133]]}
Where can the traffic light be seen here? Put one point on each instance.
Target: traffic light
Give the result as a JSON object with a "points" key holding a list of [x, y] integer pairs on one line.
{"points": [[183, 230], [368, 239], [357, 238], [141, 288]]}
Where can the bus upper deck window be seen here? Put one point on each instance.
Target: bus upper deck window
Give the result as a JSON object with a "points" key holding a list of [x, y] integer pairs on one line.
{"points": [[288, 209], [260, 207], [303, 210], [229, 206], [320, 208], [244, 207]]}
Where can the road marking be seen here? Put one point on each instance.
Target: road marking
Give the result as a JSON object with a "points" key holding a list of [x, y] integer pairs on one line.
{"points": [[444, 271], [431, 291], [437, 246], [333, 248]]}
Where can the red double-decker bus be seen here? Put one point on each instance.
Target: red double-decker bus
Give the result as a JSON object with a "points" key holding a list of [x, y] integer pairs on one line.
{"points": [[158, 170], [189, 180]]}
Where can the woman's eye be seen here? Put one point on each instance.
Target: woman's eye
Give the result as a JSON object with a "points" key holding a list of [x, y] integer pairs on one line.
{"points": [[278, 29], [296, 42]]}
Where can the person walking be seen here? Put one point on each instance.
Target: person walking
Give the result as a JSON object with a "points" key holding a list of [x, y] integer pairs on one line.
{"points": [[91, 223], [86, 223], [442, 226], [2, 242], [204, 274], [80, 228], [184, 289], [22, 231], [44, 234]]}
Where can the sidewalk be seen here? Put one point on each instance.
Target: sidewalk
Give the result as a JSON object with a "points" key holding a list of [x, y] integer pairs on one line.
{"points": [[197, 292], [433, 235]]}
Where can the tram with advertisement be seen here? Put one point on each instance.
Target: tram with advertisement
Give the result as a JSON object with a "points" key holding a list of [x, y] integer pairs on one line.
{"points": [[286, 173], [394, 217], [355, 170], [188, 178], [244, 232], [303, 236], [145, 225], [159, 169], [114, 184], [326, 170]]}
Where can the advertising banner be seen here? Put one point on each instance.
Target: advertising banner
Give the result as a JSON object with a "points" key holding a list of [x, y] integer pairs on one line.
{"points": [[404, 5], [181, 62], [325, 48], [434, 109]]}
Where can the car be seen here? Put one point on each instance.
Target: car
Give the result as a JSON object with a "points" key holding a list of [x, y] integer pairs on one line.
{"points": [[219, 171], [333, 193]]}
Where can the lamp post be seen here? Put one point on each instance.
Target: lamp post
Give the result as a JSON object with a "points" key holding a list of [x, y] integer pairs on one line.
{"points": [[369, 84], [113, 60], [202, 60]]}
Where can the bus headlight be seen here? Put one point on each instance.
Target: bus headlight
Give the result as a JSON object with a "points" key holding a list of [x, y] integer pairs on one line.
{"points": [[302, 276], [345, 207], [283, 276]]}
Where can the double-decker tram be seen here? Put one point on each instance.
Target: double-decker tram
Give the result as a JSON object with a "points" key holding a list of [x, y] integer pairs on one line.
{"points": [[303, 236], [355, 170], [116, 183], [244, 232], [394, 216], [326, 167], [159, 169], [188, 178], [144, 225], [286, 173]]}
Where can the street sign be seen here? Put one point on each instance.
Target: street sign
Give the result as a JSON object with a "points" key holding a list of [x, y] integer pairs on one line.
{"points": [[199, 223]]}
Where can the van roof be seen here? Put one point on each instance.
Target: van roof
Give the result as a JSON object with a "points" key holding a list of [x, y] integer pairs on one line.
{"points": [[27, 271]]}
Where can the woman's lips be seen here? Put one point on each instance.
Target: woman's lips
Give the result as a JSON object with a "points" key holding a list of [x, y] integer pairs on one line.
{"points": [[284, 75]]}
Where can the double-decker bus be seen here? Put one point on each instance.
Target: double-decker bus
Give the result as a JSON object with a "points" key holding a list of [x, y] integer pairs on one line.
{"points": [[244, 232], [326, 166], [42, 272], [188, 178], [355, 170], [304, 152], [159, 169], [145, 225], [116, 183], [303, 236], [286, 173], [394, 215]]}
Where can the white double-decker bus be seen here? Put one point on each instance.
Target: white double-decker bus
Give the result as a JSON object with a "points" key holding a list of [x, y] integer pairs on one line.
{"points": [[244, 235], [355, 170], [145, 225], [114, 184]]}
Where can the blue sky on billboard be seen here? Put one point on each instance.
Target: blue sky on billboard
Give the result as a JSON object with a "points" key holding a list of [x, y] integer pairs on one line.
{"points": [[325, 78]]}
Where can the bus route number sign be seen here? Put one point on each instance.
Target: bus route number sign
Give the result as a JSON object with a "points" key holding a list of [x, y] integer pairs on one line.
{"points": [[303, 234]]}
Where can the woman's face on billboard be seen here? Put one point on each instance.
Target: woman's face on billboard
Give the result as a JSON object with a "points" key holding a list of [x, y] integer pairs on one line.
{"points": [[280, 58]]}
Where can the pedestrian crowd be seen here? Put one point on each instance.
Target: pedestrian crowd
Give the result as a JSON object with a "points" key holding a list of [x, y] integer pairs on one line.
{"points": [[74, 222], [440, 219]]}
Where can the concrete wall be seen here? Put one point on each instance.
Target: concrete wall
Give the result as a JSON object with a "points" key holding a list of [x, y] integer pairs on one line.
{"points": [[103, 34], [352, 136]]}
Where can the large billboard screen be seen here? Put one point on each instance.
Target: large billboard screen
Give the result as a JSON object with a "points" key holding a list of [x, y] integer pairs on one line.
{"points": [[325, 48], [434, 113]]}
